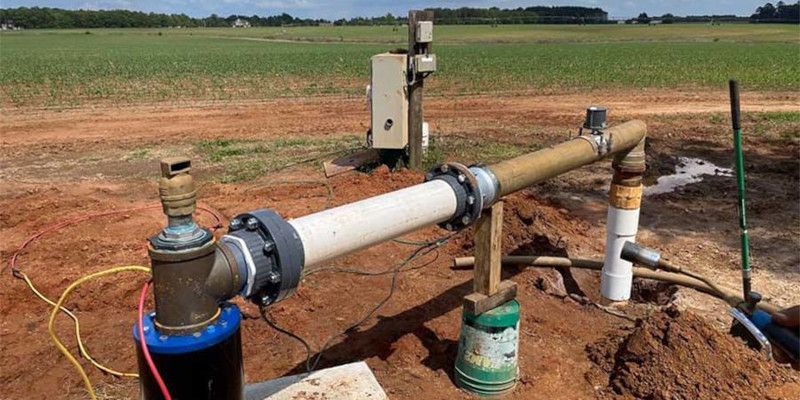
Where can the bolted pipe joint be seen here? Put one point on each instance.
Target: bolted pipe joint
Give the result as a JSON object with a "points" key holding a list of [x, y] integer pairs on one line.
{"points": [[269, 254], [467, 189]]}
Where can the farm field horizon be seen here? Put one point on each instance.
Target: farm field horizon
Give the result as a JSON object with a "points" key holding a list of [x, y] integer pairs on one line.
{"points": [[72, 67], [87, 115]]}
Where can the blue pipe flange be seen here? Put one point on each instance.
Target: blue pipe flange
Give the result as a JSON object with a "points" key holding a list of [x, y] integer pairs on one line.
{"points": [[226, 325]]}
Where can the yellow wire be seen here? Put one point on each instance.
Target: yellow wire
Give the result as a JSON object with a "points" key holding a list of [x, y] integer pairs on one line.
{"points": [[81, 346], [59, 305]]}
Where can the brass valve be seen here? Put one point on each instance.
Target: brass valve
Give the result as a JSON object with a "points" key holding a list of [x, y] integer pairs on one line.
{"points": [[176, 187]]}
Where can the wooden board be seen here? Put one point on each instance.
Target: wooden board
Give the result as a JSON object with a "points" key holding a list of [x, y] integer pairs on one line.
{"points": [[478, 303], [488, 247], [350, 162]]}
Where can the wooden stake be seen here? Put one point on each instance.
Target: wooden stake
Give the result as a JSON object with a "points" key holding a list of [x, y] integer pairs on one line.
{"points": [[488, 249], [415, 90]]}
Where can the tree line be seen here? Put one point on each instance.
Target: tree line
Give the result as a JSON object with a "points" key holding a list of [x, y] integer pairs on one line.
{"points": [[780, 12], [527, 15], [55, 18]]}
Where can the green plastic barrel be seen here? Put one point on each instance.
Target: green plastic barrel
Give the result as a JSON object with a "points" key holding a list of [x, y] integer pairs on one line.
{"points": [[487, 350]]}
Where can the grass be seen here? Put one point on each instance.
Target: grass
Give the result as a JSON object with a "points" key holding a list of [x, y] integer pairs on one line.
{"points": [[458, 34], [63, 68], [486, 150], [142, 153], [778, 125], [241, 160]]}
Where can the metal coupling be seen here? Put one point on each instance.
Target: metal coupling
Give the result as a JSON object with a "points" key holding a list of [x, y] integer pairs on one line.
{"points": [[179, 201], [488, 185], [634, 253], [271, 252], [469, 201]]}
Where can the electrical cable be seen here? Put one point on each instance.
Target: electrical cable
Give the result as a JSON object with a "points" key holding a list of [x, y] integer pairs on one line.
{"points": [[424, 249], [59, 305], [19, 274], [680, 277], [81, 347], [263, 311], [143, 344]]}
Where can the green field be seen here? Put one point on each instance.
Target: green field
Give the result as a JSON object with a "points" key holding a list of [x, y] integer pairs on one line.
{"points": [[57, 68]]}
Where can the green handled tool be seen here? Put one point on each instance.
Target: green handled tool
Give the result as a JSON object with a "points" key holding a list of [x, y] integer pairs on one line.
{"points": [[737, 150]]}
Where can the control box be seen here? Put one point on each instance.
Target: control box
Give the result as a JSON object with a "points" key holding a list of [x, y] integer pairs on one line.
{"points": [[424, 31], [389, 101], [425, 63]]}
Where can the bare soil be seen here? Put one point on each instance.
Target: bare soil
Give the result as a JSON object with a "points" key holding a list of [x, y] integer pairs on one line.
{"points": [[677, 355], [56, 164]]}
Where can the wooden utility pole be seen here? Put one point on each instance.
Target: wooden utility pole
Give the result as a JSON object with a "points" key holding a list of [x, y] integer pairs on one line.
{"points": [[415, 89], [490, 291]]}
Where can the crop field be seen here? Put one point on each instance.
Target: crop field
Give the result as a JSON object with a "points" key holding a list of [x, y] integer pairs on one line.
{"points": [[67, 68], [86, 116]]}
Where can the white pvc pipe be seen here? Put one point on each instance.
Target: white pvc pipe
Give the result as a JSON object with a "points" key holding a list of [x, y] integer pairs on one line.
{"points": [[617, 275], [341, 230]]}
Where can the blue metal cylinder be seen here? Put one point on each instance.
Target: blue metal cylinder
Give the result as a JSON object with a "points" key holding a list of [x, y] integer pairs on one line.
{"points": [[203, 365]]}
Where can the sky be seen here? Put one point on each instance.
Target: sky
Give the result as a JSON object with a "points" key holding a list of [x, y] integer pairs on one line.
{"points": [[334, 9]]}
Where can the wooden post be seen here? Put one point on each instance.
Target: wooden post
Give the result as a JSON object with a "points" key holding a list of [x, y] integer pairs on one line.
{"points": [[490, 291], [415, 90], [488, 241]]}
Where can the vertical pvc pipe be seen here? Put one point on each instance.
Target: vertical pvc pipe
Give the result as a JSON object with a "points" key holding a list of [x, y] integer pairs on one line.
{"points": [[617, 275]]}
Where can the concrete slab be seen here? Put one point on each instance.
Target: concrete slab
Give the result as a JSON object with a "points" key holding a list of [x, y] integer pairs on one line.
{"points": [[353, 381]]}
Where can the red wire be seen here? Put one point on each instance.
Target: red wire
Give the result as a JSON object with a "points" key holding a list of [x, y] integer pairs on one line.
{"points": [[12, 263], [143, 343]]}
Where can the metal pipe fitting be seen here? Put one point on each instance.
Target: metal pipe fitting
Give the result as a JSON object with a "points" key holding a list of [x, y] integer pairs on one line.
{"points": [[487, 184], [269, 254], [191, 275], [182, 303], [624, 204]]}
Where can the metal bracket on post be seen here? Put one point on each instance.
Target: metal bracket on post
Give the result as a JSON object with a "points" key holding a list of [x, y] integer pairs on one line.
{"points": [[415, 47], [490, 291]]}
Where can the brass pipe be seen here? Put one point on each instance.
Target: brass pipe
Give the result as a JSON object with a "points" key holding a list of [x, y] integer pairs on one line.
{"points": [[526, 170]]}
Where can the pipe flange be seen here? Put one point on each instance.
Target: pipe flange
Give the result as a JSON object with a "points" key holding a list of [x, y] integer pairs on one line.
{"points": [[469, 201], [273, 252]]}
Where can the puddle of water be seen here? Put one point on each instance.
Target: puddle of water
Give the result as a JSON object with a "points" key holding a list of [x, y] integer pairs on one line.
{"points": [[689, 170]]}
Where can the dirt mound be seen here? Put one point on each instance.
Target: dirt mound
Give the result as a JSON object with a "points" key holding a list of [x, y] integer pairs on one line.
{"points": [[677, 355]]}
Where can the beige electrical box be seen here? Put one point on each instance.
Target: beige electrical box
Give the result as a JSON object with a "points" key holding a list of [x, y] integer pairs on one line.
{"points": [[424, 31], [425, 63], [389, 101]]}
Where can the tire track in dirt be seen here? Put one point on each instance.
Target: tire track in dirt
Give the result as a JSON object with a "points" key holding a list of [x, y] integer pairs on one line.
{"points": [[327, 116]]}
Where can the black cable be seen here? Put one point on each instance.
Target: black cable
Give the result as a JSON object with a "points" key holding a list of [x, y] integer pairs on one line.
{"points": [[424, 249], [263, 311]]}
